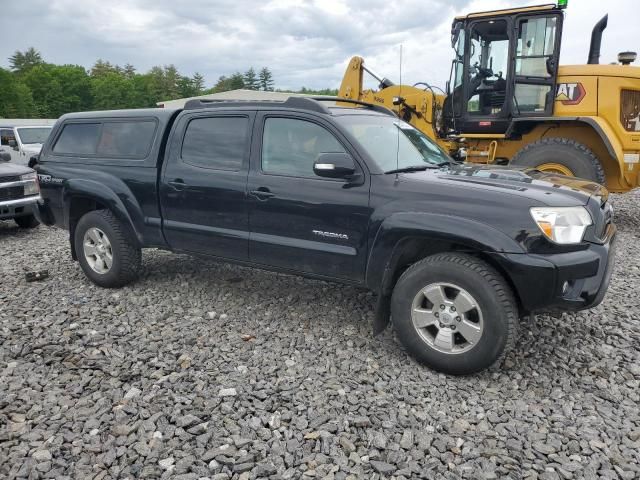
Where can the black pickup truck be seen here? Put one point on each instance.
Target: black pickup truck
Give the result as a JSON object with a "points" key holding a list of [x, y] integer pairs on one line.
{"points": [[456, 253]]}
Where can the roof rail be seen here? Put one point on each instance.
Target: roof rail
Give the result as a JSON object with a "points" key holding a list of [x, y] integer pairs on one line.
{"points": [[302, 103], [372, 106]]}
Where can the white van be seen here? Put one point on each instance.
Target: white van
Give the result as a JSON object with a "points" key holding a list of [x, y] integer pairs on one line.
{"points": [[24, 141]]}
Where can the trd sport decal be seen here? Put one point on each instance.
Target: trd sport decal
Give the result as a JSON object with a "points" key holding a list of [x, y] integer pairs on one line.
{"points": [[570, 93]]}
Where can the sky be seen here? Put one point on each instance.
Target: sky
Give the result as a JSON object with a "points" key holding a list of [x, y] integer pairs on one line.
{"points": [[303, 42]]}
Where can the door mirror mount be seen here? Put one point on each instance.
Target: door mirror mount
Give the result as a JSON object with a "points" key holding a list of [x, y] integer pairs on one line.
{"points": [[334, 165], [13, 144]]}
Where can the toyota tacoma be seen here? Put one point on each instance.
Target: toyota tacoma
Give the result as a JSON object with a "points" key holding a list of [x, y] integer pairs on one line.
{"points": [[334, 190]]}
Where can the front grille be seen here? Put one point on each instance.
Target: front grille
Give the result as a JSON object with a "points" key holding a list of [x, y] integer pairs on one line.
{"points": [[11, 193], [630, 110], [9, 179]]}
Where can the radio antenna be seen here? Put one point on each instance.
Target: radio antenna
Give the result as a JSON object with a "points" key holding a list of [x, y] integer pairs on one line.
{"points": [[399, 115]]}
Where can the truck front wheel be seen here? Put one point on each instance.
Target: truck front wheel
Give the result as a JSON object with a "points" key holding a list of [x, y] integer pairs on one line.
{"points": [[107, 253], [561, 155], [454, 313]]}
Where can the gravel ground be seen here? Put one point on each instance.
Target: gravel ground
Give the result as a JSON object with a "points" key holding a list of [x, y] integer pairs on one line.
{"points": [[207, 370]]}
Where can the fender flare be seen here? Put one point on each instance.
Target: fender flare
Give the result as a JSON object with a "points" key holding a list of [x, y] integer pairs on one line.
{"points": [[468, 234], [600, 126], [127, 211]]}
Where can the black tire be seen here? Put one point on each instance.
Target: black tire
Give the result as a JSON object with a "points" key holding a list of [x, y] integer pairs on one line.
{"points": [[27, 221], [126, 254], [494, 299], [575, 156]]}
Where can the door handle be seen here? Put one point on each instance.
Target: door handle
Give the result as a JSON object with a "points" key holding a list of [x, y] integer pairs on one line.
{"points": [[262, 193], [177, 184]]}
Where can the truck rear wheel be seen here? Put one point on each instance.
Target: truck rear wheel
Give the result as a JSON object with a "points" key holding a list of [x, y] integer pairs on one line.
{"points": [[454, 313], [106, 250], [561, 155]]}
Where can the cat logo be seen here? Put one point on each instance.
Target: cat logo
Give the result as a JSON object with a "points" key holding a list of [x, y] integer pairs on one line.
{"points": [[570, 93]]}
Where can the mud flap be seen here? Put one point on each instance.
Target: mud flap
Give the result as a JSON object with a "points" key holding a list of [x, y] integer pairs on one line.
{"points": [[383, 314]]}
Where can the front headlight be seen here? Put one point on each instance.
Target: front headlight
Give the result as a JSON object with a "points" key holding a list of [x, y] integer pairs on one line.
{"points": [[31, 186], [562, 224]]}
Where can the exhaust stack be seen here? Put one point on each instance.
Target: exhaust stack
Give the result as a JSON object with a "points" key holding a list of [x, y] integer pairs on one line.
{"points": [[596, 40]]}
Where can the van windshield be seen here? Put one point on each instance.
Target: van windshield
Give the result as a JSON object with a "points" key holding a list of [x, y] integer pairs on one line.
{"points": [[393, 143], [33, 135]]}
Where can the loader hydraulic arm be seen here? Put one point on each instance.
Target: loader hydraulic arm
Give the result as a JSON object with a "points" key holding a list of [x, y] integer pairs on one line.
{"points": [[418, 106]]}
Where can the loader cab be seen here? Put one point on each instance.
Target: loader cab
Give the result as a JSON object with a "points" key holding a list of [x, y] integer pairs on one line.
{"points": [[505, 66]]}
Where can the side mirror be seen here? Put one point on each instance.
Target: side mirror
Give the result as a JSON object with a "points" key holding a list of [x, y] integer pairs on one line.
{"points": [[334, 165], [5, 156]]}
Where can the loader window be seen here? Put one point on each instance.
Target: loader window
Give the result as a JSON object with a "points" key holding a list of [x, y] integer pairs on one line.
{"points": [[536, 42], [488, 68]]}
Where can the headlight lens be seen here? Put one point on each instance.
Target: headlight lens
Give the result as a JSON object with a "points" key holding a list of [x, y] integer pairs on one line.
{"points": [[31, 187], [563, 225]]}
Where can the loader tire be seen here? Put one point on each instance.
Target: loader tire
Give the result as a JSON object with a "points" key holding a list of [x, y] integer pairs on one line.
{"points": [[561, 155]]}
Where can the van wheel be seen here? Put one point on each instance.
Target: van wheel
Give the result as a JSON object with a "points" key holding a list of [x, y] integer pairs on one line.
{"points": [[561, 155], [106, 250], [454, 313], [28, 221]]}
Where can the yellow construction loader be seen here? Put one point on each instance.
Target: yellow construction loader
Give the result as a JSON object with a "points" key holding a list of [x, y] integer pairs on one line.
{"points": [[510, 102]]}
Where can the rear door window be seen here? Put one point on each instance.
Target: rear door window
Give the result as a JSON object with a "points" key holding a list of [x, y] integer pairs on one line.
{"points": [[218, 143]]}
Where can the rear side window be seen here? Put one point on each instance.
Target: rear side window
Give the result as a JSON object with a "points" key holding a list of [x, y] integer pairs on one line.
{"points": [[6, 135], [216, 142], [78, 139], [126, 139], [108, 139]]}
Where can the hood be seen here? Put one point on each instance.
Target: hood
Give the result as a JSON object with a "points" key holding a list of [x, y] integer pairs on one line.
{"points": [[12, 169], [549, 188]]}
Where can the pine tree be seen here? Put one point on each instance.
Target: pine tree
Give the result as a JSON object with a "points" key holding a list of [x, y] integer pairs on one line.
{"points": [[265, 79], [101, 68], [198, 83], [251, 80], [129, 70], [23, 61]]}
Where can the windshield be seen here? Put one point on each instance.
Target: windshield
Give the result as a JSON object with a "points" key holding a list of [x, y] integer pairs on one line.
{"points": [[393, 143], [33, 135]]}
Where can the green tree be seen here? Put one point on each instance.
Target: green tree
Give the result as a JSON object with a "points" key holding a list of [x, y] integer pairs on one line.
{"points": [[265, 79], [224, 84], [59, 89], [129, 70], [102, 68], [23, 61], [250, 79], [198, 83], [15, 97], [111, 91]]}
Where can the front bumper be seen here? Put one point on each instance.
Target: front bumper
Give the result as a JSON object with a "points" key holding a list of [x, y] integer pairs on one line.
{"points": [[567, 281], [19, 207]]}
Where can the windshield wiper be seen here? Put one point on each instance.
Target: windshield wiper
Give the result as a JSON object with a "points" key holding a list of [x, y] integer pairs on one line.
{"points": [[413, 168]]}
